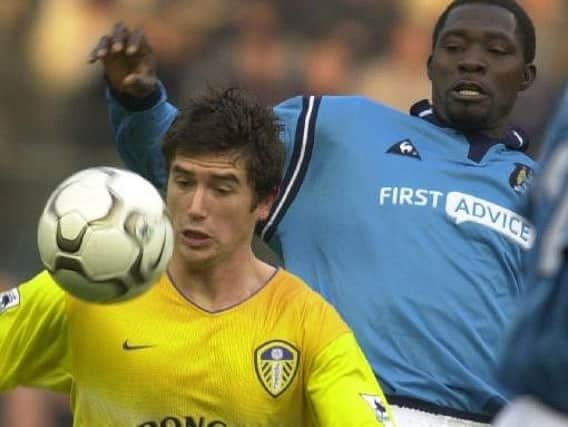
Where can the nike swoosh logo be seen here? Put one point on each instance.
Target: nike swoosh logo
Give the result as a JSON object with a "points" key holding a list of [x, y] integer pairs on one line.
{"points": [[127, 346]]}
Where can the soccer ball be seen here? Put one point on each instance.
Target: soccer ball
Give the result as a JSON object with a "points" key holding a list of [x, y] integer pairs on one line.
{"points": [[104, 235]]}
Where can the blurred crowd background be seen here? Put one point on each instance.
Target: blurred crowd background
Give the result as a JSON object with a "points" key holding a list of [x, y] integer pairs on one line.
{"points": [[53, 118]]}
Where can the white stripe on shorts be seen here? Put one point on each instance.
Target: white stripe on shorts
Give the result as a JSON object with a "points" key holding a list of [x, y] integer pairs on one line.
{"points": [[407, 417]]}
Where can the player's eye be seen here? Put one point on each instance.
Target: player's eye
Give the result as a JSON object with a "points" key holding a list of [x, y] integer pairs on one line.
{"points": [[452, 43], [183, 182], [498, 50], [453, 47], [223, 191]]}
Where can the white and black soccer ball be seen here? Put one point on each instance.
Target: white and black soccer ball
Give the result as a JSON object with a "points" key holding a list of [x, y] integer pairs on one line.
{"points": [[104, 235]]}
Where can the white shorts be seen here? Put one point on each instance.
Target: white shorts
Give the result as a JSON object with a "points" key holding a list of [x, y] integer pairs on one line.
{"points": [[529, 412], [407, 417]]}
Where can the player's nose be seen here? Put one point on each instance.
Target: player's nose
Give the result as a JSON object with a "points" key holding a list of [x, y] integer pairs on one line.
{"points": [[197, 203]]}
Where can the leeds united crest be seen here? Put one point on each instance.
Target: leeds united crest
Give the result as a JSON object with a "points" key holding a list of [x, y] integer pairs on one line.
{"points": [[276, 363]]}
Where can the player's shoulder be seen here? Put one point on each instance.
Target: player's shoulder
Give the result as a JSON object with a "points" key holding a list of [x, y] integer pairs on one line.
{"points": [[519, 157], [317, 321], [43, 285], [301, 296], [39, 293], [338, 104], [292, 286], [516, 149]]}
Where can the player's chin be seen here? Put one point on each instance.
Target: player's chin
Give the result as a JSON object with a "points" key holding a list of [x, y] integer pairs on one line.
{"points": [[199, 259], [469, 118]]}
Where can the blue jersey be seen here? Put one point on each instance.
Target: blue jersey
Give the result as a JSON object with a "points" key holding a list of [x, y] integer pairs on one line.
{"points": [[408, 228], [536, 357]]}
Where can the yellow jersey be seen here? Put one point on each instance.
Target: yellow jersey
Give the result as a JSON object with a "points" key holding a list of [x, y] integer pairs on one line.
{"points": [[283, 357]]}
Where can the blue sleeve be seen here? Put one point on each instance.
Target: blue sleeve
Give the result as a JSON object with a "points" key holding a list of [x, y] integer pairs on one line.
{"points": [[138, 135]]}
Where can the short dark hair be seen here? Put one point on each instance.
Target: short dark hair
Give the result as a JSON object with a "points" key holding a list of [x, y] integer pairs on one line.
{"points": [[524, 23], [228, 122]]}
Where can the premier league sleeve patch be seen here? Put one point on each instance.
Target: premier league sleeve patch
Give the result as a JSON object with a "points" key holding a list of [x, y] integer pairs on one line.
{"points": [[9, 299], [276, 363], [378, 408]]}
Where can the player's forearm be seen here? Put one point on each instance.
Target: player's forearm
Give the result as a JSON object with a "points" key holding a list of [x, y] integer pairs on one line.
{"points": [[138, 133]]}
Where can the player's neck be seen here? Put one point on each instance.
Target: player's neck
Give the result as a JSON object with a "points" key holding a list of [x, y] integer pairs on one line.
{"points": [[223, 285], [496, 130]]}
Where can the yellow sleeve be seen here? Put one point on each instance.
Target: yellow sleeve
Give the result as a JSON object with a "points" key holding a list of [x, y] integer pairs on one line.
{"points": [[33, 336], [343, 390]]}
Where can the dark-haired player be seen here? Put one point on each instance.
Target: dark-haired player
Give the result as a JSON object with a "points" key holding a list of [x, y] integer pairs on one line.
{"points": [[224, 339]]}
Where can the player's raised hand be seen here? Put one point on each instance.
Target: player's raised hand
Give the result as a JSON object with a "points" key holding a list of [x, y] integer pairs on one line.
{"points": [[128, 60]]}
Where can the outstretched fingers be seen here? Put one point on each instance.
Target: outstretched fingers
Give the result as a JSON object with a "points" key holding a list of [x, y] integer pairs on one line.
{"points": [[121, 40], [137, 43], [101, 50]]}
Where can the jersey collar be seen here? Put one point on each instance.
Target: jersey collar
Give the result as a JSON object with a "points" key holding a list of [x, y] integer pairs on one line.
{"points": [[515, 139]]}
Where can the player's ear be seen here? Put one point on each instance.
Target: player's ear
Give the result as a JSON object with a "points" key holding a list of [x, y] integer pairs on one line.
{"points": [[265, 206], [529, 76], [429, 67]]}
